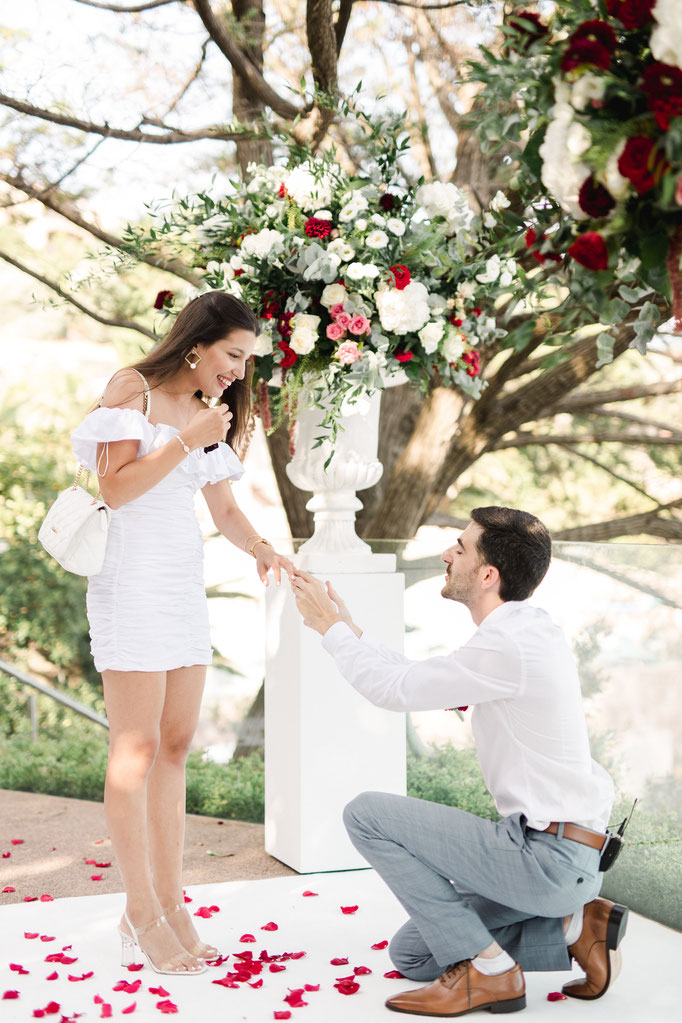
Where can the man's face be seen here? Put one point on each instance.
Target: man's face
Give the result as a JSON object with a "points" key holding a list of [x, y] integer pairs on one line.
{"points": [[463, 567]]}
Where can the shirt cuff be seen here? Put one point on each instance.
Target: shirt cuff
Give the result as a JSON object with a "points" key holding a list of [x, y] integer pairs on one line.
{"points": [[335, 635]]}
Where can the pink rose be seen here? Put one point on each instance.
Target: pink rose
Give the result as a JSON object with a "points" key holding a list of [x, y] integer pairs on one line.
{"points": [[359, 325], [335, 332], [343, 320], [335, 310], [347, 353]]}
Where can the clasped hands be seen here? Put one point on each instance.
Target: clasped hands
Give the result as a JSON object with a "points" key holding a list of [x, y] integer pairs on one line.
{"points": [[320, 606]]}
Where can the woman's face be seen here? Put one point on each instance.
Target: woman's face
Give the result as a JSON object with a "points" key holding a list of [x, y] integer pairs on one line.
{"points": [[223, 362]]}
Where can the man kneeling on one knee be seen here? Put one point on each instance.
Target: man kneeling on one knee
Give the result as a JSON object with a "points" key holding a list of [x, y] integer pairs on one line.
{"points": [[487, 900]]}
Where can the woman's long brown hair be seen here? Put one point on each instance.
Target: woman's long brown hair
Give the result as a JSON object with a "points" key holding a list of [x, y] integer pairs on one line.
{"points": [[205, 320]]}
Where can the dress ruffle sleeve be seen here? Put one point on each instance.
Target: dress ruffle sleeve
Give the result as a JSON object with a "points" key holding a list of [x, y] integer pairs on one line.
{"points": [[108, 424], [213, 466]]}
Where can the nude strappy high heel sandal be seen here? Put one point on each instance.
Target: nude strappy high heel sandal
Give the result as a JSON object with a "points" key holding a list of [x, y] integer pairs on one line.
{"points": [[175, 966], [207, 953]]}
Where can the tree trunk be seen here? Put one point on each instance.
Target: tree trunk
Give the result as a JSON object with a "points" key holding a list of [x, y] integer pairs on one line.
{"points": [[294, 500], [248, 108]]}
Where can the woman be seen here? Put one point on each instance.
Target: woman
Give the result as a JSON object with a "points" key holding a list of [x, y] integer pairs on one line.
{"points": [[154, 442]]}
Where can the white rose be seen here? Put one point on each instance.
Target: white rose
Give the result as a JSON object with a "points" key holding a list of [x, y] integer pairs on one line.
{"points": [[466, 290], [401, 312], [562, 174], [376, 240], [617, 184], [333, 294], [587, 88], [323, 214], [302, 341], [378, 220], [213, 267], [395, 226], [666, 38], [491, 272], [263, 345], [370, 271], [430, 335], [361, 224], [443, 199], [342, 249], [499, 201], [305, 321], [308, 190], [236, 262], [356, 271], [262, 243], [453, 345], [578, 139]]}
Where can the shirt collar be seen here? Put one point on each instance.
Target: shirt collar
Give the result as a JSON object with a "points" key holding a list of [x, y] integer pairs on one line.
{"points": [[502, 611]]}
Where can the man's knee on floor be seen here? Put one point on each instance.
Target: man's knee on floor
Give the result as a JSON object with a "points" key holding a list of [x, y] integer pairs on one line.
{"points": [[359, 811], [413, 965]]}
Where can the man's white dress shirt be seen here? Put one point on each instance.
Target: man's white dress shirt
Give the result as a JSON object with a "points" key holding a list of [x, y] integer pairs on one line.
{"points": [[519, 675]]}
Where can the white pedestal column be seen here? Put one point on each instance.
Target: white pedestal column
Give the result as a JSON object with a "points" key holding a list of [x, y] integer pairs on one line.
{"points": [[324, 743]]}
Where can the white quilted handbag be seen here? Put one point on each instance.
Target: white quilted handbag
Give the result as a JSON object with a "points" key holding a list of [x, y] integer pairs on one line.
{"points": [[74, 531]]}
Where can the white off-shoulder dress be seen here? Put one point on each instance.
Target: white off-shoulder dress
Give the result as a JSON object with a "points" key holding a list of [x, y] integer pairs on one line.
{"points": [[147, 607]]}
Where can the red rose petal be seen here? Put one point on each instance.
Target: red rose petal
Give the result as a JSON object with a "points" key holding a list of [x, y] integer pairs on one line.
{"points": [[204, 912], [295, 955], [129, 1008], [247, 937], [270, 927], [53, 976], [312, 987], [6, 855], [30, 934], [11, 994], [395, 975], [100, 865], [106, 1012], [256, 983], [46, 898], [214, 909], [46, 937], [339, 962], [349, 909], [295, 1003], [17, 968], [8, 888], [282, 1015], [30, 898], [380, 945], [17, 841], [51, 1008], [98, 1000], [276, 968], [159, 991], [244, 955], [38, 1013], [134, 967], [130, 987], [98, 841], [347, 987], [167, 1006], [307, 894], [361, 971], [90, 863], [555, 996], [95, 877], [83, 976], [187, 898]]}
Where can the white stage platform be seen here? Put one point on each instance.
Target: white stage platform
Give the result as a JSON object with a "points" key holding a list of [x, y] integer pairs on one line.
{"points": [[85, 928]]}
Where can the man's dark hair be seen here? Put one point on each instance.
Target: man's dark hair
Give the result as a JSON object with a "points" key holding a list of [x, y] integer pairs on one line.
{"points": [[517, 545]]}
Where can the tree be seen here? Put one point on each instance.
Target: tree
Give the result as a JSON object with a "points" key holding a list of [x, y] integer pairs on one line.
{"points": [[427, 442]]}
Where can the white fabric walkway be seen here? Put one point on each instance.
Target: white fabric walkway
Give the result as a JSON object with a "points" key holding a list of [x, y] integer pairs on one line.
{"points": [[83, 929]]}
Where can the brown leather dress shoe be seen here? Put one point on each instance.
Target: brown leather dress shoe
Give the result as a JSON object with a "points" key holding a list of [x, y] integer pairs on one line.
{"points": [[463, 989], [596, 950]]}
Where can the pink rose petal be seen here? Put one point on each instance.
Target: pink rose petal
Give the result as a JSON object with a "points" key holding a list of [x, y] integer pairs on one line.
{"points": [[204, 912], [308, 894], [106, 1012], [282, 1015], [100, 865], [161, 991], [555, 996], [247, 937], [134, 967], [167, 1006], [395, 975], [30, 934], [53, 976], [46, 937], [8, 888], [17, 841], [129, 1008], [338, 962], [17, 968], [96, 877], [83, 976], [30, 898], [38, 1013], [380, 945], [98, 1000], [349, 909], [46, 898], [294, 955], [129, 986], [270, 927], [11, 994], [90, 863]]}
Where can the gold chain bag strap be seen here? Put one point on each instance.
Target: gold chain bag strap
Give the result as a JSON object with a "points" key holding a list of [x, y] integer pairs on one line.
{"points": [[74, 531]]}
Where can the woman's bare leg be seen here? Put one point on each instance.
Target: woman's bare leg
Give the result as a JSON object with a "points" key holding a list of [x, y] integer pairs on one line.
{"points": [[166, 796], [134, 701]]}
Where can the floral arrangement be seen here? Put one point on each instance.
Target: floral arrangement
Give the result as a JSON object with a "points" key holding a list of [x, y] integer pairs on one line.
{"points": [[597, 86], [355, 278]]}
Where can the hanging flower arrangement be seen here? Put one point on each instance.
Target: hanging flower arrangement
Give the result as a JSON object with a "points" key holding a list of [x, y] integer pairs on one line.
{"points": [[597, 93]]}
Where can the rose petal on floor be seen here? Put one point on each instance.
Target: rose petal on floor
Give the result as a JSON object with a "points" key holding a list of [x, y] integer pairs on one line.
{"points": [[379, 945], [349, 909]]}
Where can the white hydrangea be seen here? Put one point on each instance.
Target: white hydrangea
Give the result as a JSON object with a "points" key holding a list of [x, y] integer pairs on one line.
{"points": [[454, 345], [586, 89], [308, 187], [666, 38], [617, 184], [401, 312], [443, 199], [333, 294], [263, 344], [499, 201], [304, 333], [376, 240], [262, 243], [562, 174], [340, 247], [395, 226], [430, 335]]}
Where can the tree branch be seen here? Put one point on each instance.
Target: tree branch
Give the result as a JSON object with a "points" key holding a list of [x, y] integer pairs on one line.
{"points": [[586, 400], [67, 210], [606, 469], [524, 440], [54, 286], [173, 136], [628, 417], [242, 65], [426, 7], [342, 19], [645, 522], [128, 10]]}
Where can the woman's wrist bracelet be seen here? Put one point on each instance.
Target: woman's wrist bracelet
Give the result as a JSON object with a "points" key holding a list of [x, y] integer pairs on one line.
{"points": [[254, 536], [261, 539], [186, 449]]}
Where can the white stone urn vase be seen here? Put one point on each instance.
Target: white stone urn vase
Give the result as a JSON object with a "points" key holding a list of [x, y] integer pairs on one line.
{"points": [[334, 545]]}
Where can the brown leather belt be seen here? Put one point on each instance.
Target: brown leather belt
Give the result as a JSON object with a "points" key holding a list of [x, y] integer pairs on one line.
{"points": [[576, 833]]}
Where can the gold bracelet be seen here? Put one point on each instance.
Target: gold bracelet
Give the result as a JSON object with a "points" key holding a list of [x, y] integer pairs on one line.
{"points": [[251, 537], [261, 539]]}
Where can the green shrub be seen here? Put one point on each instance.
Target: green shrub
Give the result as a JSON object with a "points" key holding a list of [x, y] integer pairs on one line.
{"points": [[453, 777]]}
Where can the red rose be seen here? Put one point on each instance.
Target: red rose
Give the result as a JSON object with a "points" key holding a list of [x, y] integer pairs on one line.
{"points": [[289, 355], [315, 227], [401, 276], [530, 239], [282, 190], [589, 249], [528, 29], [473, 361], [455, 320], [164, 299], [390, 202], [271, 306], [662, 86], [594, 199], [632, 14], [640, 163], [593, 42], [284, 325], [403, 356]]}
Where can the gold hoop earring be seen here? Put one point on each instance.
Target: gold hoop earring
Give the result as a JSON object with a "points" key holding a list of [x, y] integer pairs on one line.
{"points": [[193, 365]]}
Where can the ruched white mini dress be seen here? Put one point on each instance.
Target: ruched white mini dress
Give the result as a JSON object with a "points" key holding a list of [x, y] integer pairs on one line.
{"points": [[147, 608]]}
